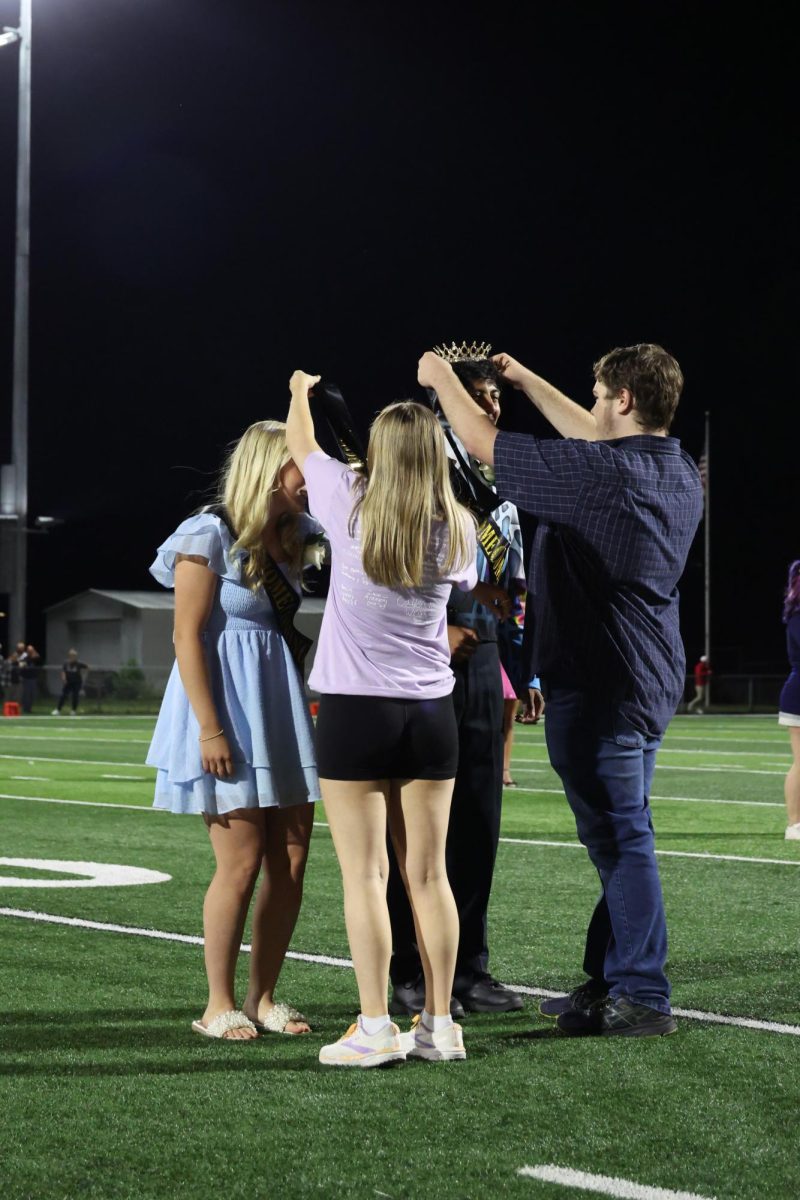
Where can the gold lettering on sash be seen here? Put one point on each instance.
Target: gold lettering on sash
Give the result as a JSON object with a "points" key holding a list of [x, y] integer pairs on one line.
{"points": [[494, 546], [286, 602], [353, 459]]}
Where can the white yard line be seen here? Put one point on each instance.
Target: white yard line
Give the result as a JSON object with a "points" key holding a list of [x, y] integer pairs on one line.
{"points": [[131, 778], [121, 717], [158, 934], [330, 961], [777, 862], [774, 862], [604, 1185], [693, 1014], [682, 799], [81, 803], [721, 735], [718, 768], [78, 762], [88, 737], [707, 800], [667, 749], [545, 768], [660, 766]]}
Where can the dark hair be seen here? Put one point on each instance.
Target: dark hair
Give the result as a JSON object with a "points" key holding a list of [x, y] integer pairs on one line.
{"points": [[650, 374], [475, 370], [791, 601]]}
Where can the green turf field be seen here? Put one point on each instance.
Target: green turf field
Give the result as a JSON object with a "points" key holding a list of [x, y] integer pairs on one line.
{"points": [[105, 1092]]}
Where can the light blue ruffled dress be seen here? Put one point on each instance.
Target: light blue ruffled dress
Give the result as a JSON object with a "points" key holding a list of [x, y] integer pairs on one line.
{"points": [[258, 692]]}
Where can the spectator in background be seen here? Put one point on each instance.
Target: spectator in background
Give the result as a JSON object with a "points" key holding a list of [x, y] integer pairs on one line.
{"points": [[71, 682], [702, 674], [15, 684], [30, 667], [789, 703], [5, 674]]}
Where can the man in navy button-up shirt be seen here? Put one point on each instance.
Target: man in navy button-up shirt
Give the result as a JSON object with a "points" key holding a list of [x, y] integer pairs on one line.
{"points": [[618, 504]]}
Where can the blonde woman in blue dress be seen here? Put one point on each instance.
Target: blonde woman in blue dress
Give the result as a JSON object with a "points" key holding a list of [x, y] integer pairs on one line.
{"points": [[234, 737]]}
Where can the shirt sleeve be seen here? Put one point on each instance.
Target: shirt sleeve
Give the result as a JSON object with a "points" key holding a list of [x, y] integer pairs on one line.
{"points": [[329, 485], [202, 536], [542, 476], [467, 577]]}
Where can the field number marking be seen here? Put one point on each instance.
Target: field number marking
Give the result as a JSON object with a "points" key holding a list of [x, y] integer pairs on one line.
{"points": [[91, 874], [606, 1185]]}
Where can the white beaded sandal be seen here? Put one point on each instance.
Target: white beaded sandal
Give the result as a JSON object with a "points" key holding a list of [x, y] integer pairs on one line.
{"points": [[233, 1019], [278, 1018]]}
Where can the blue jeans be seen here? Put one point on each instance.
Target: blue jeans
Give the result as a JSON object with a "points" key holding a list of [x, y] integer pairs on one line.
{"points": [[606, 767]]}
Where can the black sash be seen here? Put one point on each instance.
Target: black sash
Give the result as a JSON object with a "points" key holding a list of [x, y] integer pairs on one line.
{"points": [[475, 494], [285, 601], [282, 596], [333, 426]]}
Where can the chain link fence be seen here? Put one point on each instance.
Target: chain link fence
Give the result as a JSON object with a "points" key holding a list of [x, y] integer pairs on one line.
{"points": [[133, 688], [128, 688], [738, 693]]}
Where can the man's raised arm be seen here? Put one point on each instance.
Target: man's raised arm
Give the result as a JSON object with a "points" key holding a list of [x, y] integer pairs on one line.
{"points": [[472, 426], [569, 418]]}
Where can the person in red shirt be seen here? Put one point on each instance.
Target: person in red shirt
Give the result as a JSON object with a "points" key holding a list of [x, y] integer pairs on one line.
{"points": [[702, 672]]}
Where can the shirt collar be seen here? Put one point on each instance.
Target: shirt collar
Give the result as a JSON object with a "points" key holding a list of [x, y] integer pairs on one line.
{"points": [[647, 441]]}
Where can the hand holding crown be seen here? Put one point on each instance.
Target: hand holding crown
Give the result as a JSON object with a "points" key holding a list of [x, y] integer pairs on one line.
{"points": [[512, 371], [430, 369]]}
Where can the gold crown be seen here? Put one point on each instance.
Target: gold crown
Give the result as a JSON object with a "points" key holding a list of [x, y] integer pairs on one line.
{"points": [[466, 352]]}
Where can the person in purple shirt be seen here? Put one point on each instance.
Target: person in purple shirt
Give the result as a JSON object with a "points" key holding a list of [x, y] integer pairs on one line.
{"points": [[789, 703], [618, 504], [387, 742]]}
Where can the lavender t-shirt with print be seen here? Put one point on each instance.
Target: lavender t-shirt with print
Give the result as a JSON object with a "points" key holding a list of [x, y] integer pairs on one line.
{"points": [[378, 641]]}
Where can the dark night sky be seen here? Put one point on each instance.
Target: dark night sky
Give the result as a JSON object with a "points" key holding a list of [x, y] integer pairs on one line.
{"points": [[224, 192]]}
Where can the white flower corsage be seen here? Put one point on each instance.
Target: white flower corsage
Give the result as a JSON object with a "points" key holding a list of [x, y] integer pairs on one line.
{"points": [[314, 550]]}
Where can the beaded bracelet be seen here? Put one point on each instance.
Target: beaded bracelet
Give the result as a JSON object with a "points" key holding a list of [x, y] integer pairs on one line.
{"points": [[211, 736]]}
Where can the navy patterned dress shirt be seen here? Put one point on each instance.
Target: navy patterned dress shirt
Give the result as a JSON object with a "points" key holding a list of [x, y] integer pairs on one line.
{"points": [[616, 521]]}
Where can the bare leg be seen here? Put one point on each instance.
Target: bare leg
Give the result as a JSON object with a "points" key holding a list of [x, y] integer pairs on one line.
{"points": [[791, 785], [287, 835], [509, 712], [356, 812], [238, 843], [419, 811]]}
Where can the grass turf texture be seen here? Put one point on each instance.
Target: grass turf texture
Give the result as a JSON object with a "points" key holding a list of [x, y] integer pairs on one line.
{"points": [[105, 1092]]}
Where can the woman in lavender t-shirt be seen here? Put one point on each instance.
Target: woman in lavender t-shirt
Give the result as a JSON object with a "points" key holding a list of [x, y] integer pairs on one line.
{"points": [[387, 742]]}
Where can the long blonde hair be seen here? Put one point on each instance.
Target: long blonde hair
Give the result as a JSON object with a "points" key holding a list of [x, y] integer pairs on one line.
{"points": [[407, 489], [250, 478]]}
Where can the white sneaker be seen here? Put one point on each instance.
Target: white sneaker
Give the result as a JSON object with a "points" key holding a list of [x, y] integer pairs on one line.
{"points": [[446, 1045], [55, 713], [792, 833], [360, 1049]]}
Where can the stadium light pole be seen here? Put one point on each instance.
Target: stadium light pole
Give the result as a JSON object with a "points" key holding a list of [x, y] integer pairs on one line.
{"points": [[18, 488], [707, 548]]}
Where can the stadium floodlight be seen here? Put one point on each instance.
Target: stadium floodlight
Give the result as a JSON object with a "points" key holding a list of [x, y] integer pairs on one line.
{"points": [[19, 415]]}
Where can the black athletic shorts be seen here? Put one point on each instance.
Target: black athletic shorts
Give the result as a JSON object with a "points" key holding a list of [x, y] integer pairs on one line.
{"points": [[374, 737]]}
